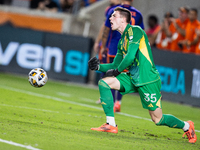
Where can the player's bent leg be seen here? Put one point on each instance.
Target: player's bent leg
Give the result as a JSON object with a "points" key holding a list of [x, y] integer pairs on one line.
{"points": [[166, 119], [112, 82], [121, 83], [156, 115], [115, 86], [173, 122], [107, 104], [106, 98]]}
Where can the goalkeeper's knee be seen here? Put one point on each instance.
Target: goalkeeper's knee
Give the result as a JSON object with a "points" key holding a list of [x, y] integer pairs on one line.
{"points": [[103, 84]]}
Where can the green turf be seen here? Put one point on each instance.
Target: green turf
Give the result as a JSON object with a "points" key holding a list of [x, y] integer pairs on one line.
{"points": [[59, 116]]}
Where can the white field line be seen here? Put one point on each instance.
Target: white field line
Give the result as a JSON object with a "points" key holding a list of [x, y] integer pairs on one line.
{"points": [[86, 99], [29, 108], [6, 105], [64, 94], [69, 95], [48, 97], [68, 101], [19, 145]]}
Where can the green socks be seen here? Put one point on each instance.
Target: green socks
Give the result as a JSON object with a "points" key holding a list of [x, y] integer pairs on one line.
{"points": [[171, 121], [106, 98]]}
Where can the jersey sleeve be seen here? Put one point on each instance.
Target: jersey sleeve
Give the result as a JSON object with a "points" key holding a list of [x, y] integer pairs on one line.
{"points": [[133, 46]]}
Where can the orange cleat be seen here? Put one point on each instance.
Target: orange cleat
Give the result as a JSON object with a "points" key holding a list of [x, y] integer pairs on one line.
{"points": [[191, 133], [117, 106], [106, 128]]}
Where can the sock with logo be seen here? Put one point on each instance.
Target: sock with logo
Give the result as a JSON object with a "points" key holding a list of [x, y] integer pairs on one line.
{"points": [[106, 98], [171, 121]]}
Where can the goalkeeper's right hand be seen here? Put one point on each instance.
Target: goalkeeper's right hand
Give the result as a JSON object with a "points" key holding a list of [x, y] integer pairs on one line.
{"points": [[93, 63]]}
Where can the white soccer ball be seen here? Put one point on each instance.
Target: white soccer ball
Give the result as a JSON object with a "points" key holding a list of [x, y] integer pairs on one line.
{"points": [[37, 77]]}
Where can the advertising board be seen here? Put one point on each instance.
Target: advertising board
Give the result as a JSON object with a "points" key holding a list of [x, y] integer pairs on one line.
{"points": [[64, 57], [180, 75]]}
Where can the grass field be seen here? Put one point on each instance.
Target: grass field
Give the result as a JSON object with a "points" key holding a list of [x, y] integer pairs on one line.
{"points": [[59, 116]]}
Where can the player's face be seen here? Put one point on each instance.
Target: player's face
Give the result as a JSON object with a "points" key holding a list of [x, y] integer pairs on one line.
{"points": [[115, 20]]}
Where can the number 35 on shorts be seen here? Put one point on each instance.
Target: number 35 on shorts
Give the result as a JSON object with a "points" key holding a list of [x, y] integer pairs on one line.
{"points": [[151, 101], [150, 97]]}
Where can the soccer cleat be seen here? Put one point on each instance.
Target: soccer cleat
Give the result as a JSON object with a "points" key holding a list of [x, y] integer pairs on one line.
{"points": [[117, 106], [191, 133], [106, 128]]}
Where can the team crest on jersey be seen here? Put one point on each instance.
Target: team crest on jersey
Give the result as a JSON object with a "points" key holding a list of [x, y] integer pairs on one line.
{"points": [[121, 44], [125, 43], [124, 54], [130, 32]]}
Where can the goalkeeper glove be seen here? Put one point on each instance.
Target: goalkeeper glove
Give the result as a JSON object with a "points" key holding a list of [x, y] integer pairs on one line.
{"points": [[93, 63], [112, 72]]}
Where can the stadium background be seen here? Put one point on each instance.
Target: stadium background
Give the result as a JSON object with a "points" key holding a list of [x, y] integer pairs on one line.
{"points": [[36, 33]]}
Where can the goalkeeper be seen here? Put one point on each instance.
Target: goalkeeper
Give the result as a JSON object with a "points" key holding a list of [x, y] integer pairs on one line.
{"points": [[134, 54]]}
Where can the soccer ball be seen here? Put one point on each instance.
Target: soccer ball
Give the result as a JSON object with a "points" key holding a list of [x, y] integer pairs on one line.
{"points": [[37, 77]]}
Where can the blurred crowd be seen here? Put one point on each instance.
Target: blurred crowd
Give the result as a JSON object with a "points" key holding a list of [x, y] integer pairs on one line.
{"points": [[65, 6], [53, 5], [180, 34]]}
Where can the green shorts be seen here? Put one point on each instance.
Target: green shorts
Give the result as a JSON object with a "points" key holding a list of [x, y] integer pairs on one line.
{"points": [[150, 94]]}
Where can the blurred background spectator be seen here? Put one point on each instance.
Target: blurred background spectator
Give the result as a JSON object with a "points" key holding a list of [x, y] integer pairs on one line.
{"points": [[66, 6], [48, 5], [6, 2], [189, 43], [34, 4], [176, 31], [197, 37], [162, 40], [89, 2], [153, 26], [44, 5]]}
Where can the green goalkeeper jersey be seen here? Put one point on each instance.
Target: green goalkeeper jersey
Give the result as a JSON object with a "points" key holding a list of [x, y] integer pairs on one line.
{"points": [[134, 54]]}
